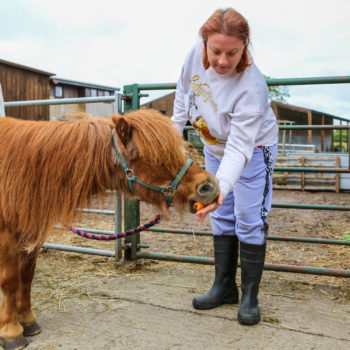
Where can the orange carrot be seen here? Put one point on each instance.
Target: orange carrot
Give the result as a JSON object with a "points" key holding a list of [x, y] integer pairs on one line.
{"points": [[198, 206]]}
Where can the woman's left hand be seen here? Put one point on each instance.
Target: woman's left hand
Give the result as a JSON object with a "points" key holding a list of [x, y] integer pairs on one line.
{"points": [[201, 214]]}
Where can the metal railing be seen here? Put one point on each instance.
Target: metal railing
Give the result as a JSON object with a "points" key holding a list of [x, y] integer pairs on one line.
{"points": [[132, 94], [132, 246]]}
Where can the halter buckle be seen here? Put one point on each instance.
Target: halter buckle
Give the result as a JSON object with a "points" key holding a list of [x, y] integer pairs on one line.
{"points": [[129, 174], [169, 192]]}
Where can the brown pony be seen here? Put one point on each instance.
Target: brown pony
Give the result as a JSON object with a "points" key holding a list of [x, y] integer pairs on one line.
{"points": [[49, 169]]}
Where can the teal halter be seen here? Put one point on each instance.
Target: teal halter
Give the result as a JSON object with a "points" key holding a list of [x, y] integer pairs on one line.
{"points": [[168, 192]]}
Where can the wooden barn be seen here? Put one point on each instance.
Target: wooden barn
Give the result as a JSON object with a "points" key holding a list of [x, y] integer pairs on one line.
{"points": [[163, 104], [296, 148], [317, 140], [20, 83], [64, 88]]}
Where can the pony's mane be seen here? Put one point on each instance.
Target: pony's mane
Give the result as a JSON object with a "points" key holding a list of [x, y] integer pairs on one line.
{"points": [[153, 136], [48, 169]]}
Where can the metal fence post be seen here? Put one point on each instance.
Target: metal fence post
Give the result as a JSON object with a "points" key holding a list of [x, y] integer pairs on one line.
{"points": [[131, 206], [348, 145], [118, 247], [2, 107]]}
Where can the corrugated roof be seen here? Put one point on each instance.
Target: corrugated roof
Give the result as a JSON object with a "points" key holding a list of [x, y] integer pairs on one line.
{"points": [[56, 80], [305, 110]]}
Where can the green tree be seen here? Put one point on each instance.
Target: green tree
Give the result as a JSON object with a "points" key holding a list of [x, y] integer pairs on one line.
{"points": [[340, 135], [278, 93]]}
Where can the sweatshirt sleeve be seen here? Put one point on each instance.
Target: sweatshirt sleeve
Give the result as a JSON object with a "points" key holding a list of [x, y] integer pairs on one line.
{"points": [[179, 117], [239, 149]]}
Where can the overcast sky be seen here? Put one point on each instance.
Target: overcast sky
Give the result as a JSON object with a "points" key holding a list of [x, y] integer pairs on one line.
{"points": [[114, 43]]}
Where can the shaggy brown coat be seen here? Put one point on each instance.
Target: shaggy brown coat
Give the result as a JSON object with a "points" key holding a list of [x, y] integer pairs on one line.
{"points": [[49, 169]]}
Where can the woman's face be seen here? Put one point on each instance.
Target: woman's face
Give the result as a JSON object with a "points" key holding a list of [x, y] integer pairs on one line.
{"points": [[224, 52]]}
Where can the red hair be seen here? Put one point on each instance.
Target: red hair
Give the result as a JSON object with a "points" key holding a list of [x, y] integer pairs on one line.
{"points": [[228, 22]]}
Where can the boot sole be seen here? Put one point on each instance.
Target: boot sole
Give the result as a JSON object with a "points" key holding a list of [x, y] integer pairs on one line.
{"points": [[199, 306], [249, 321]]}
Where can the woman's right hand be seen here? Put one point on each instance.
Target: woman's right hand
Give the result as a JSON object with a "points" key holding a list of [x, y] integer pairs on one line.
{"points": [[201, 214]]}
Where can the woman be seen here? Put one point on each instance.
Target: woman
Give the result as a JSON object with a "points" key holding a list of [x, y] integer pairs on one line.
{"points": [[225, 97]]}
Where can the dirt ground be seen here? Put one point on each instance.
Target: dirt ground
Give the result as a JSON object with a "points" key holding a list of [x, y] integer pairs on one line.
{"points": [[90, 302]]}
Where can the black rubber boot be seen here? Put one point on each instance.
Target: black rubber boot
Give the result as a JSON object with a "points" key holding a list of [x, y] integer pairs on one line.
{"points": [[224, 289], [252, 259]]}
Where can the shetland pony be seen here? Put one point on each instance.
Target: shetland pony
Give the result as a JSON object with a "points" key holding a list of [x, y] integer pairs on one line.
{"points": [[49, 169]]}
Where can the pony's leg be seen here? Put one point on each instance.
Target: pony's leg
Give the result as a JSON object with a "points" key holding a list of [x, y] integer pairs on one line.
{"points": [[26, 315], [11, 331]]}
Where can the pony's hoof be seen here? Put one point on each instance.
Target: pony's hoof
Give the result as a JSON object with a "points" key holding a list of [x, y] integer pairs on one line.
{"points": [[14, 344], [31, 329]]}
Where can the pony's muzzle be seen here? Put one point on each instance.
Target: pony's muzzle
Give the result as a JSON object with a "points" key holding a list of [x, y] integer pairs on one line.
{"points": [[205, 189], [208, 191]]}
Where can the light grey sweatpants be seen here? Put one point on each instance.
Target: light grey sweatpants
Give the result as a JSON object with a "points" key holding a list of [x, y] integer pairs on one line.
{"points": [[245, 210]]}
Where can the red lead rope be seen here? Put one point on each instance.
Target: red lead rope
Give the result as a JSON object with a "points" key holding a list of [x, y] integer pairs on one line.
{"points": [[117, 235]]}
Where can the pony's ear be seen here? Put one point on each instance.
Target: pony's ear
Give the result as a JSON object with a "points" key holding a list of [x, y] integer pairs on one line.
{"points": [[122, 128]]}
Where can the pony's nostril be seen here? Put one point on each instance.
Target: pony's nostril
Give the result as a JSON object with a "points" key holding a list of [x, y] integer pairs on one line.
{"points": [[205, 189]]}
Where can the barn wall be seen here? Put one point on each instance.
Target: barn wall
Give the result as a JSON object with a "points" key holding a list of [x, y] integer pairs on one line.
{"points": [[99, 109], [301, 136], [22, 85], [164, 105], [95, 109]]}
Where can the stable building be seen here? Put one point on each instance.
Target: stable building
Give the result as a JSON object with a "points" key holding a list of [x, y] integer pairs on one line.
{"points": [[65, 88], [291, 140], [22, 83], [296, 148]]}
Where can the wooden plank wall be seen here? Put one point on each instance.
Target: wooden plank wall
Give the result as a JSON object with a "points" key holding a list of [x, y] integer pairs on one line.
{"points": [[306, 181], [165, 104], [22, 85]]}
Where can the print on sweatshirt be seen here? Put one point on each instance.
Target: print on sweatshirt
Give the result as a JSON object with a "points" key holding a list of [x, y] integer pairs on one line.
{"points": [[199, 122]]}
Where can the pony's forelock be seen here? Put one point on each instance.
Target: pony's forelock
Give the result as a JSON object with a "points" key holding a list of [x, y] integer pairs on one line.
{"points": [[154, 136]]}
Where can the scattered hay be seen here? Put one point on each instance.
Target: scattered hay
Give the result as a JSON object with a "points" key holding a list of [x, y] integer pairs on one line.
{"points": [[58, 272], [192, 152]]}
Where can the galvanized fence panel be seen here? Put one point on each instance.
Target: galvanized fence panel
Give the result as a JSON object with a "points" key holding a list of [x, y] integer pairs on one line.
{"points": [[134, 93], [131, 207]]}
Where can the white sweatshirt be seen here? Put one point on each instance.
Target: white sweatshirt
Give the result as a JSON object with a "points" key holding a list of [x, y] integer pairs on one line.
{"points": [[231, 113]]}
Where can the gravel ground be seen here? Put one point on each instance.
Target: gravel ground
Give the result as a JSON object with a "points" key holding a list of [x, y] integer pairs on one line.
{"points": [[91, 302]]}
